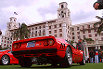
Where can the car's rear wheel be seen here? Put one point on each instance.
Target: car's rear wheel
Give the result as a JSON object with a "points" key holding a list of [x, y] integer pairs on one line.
{"points": [[68, 58], [5, 60], [83, 60], [25, 62]]}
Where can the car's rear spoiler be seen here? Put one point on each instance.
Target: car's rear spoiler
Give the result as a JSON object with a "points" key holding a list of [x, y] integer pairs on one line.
{"points": [[37, 38]]}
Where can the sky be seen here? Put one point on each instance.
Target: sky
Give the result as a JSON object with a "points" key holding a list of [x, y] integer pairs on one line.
{"points": [[35, 11]]}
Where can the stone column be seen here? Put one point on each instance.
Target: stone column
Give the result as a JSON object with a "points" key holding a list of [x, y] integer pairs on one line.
{"points": [[98, 47], [87, 52], [64, 31], [46, 29], [96, 44]]}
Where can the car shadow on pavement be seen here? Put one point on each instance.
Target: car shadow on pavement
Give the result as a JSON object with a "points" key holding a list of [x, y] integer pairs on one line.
{"points": [[47, 66]]}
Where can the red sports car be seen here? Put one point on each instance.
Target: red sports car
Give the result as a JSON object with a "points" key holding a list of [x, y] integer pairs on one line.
{"points": [[47, 49], [6, 57]]}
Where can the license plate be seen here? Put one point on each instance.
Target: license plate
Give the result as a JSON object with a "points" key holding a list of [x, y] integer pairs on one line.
{"points": [[31, 44]]}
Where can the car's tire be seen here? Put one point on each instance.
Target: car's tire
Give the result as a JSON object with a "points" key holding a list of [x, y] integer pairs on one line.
{"points": [[5, 60], [54, 65], [25, 62], [68, 58], [83, 61]]}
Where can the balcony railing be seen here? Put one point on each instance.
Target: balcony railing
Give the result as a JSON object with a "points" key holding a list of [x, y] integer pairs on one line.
{"points": [[99, 42]]}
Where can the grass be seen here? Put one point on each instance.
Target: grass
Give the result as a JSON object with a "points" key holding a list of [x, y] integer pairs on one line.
{"points": [[74, 66]]}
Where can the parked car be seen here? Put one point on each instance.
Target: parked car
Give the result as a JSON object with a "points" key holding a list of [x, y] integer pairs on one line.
{"points": [[47, 49], [6, 57]]}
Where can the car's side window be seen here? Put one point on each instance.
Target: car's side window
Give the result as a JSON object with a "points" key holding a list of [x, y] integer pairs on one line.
{"points": [[70, 43], [9, 52]]}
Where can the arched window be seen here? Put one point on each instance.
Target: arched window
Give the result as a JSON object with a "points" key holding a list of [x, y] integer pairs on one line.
{"points": [[62, 6]]}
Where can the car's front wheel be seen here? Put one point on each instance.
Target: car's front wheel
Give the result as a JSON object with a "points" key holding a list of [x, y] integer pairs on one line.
{"points": [[5, 60], [68, 58]]}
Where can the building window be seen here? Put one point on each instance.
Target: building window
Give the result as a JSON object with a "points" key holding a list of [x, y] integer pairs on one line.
{"points": [[36, 28], [32, 34], [4, 44], [60, 35], [62, 6], [84, 36], [73, 37], [43, 32], [101, 38], [39, 27], [5, 41], [88, 26], [49, 27], [95, 30], [95, 35], [32, 28], [43, 26], [83, 32], [72, 33], [78, 37], [90, 35], [60, 25], [39, 32], [78, 33], [55, 35], [49, 32], [101, 34], [60, 30], [77, 28], [68, 32], [72, 29], [89, 31], [83, 27], [55, 31], [55, 26], [35, 33], [68, 27], [61, 12]]}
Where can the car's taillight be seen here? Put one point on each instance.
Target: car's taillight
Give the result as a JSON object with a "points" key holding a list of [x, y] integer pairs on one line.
{"points": [[48, 42], [45, 42], [51, 42], [15, 46]]}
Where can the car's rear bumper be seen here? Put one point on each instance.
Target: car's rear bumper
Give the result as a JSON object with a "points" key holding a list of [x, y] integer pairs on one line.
{"points": [[35, 53]]}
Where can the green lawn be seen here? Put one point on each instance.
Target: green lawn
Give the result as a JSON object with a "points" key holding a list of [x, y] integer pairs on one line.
{"points": [[75, 66]]}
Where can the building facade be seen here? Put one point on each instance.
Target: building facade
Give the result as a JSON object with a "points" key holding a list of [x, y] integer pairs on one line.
{"points": [[61, 28], [5, 42]]}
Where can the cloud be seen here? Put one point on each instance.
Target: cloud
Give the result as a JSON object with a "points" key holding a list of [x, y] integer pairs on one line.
{"points": [[16, 3], [32, 11]]}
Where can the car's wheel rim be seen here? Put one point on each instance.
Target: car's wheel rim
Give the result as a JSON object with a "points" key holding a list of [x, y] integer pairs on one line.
{"points": [[69, 55], [5, 60]]}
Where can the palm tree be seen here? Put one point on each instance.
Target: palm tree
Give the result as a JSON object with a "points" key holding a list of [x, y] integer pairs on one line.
{"points": [[100, 23], [22, 32], [88, 39]]}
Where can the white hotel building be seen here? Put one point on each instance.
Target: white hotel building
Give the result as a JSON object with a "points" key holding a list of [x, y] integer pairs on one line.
{"points": [[62, 28]]}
